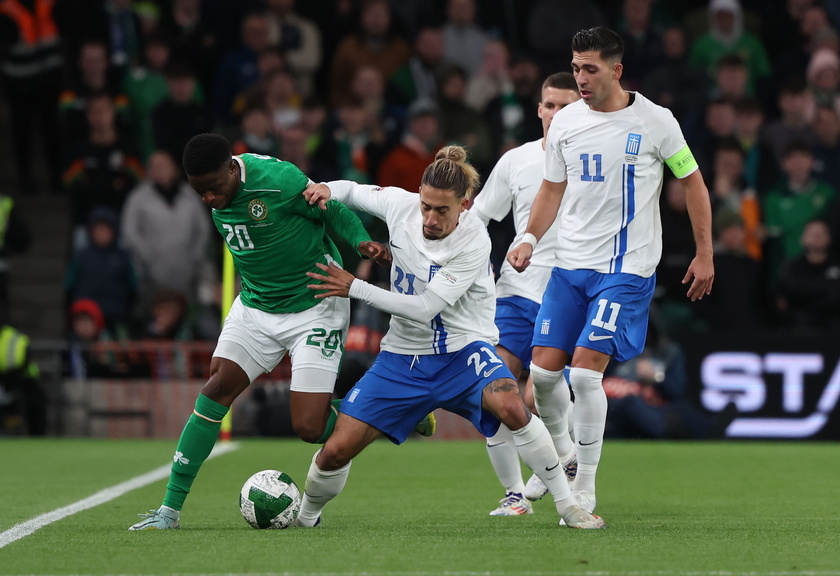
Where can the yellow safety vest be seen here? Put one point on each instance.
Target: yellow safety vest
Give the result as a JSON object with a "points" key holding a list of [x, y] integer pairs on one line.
{"points": [[13, 352], [6, 205]]}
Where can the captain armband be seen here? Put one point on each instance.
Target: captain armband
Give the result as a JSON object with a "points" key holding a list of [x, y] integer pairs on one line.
{"points": [[682, 163]]}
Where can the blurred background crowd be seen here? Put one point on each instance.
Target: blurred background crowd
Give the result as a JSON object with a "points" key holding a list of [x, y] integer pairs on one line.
{"points": [[102, 95]]}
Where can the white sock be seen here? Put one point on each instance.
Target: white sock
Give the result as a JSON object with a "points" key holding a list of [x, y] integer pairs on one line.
{"points": [[505, 460], [552, 397], [590, 419], [321, 487], [537, 451]]}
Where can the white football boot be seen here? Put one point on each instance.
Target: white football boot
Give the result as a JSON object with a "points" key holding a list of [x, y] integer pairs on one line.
{"points": [[161, 519], [513, 504]]}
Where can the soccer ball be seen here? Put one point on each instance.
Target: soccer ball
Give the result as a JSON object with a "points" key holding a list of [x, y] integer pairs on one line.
{"points": [[269, 499]]}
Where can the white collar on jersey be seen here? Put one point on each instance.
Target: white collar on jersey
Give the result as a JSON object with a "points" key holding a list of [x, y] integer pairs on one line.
{"points": [[241, 168]]}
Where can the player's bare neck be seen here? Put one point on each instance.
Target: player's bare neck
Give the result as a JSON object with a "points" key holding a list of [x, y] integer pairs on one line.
{"points": [[618, 100], [237, 169]]}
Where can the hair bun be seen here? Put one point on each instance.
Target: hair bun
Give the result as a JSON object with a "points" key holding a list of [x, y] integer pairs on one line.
{"points": [[455, 153]]}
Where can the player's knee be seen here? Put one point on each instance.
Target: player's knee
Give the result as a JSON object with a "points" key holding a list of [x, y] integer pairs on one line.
{"points": [[227, 381], [307, 432], [585, 381], [515, 416], [219, 391], [548, 358], [545, 380], [509, 408], [333, 456]]}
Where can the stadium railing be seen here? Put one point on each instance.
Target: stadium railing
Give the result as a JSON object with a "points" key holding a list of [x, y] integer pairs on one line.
{"points": [[147, 389], [137, 388]]}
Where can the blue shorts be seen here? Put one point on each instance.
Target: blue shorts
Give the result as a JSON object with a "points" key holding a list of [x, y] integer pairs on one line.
{"points": [[603, 312], [399, 390], [515, 318]]}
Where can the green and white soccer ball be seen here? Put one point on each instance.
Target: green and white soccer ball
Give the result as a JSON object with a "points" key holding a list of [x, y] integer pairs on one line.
{"points": [[270, 499]]}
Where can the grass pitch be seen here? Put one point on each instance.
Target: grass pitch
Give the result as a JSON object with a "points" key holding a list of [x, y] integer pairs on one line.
{"points": [[715, 509]]}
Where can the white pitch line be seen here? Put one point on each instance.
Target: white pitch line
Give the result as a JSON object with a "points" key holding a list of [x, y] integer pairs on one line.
{"points": [[517, 573], [24, 529]]}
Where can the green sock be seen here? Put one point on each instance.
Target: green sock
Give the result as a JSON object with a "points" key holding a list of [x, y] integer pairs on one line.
{"points": [[196, 442], [328, 429]]}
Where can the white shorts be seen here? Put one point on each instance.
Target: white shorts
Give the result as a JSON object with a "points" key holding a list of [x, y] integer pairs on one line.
{"points": [[257, 341]]}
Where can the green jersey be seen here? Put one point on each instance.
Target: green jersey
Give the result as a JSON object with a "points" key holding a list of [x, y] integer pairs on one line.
{"points": [[276, 237], [787, 212]]}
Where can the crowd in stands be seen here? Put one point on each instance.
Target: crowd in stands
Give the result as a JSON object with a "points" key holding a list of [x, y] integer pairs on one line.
{"points": [[369, 90]]}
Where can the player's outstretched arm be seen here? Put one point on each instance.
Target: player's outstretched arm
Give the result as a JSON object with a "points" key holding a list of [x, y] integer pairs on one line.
{"points": [[543, 213], [344, 221], [701, 271], [338, 282], [374, 200]]}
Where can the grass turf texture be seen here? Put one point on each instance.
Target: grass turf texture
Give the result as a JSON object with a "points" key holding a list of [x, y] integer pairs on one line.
{"points": [[671, 508]]}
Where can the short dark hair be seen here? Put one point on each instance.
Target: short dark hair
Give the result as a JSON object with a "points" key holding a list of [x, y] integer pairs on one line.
{"points": [[721, 101], [205, 153], [99, 95], [798, 147], [94, 41], [365, 4], [351, 100], [448, 71], [561, 81], [179, 68], [793, 86], [604, 41], [730, 144], [731, 61], [748, 106]]}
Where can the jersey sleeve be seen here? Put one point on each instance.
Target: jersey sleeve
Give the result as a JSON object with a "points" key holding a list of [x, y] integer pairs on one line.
{"points": [[337, 215], [345, 223], [494, 200], [555, 166], [453, 279], [276, 174], [418, 307], [672, 146], [387, 204]]}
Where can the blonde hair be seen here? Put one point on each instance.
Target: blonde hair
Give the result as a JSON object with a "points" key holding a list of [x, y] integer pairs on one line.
{"points": [[451, 171]]}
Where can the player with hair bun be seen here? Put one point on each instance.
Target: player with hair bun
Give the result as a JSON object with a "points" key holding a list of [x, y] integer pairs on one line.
{"points": [[439, 351]]}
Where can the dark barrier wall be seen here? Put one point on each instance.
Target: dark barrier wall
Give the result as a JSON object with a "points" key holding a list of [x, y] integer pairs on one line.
{"points": [[780, 385]]}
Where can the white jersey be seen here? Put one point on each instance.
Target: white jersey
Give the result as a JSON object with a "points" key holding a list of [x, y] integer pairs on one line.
{"points": [[456, 269], [613, 163], [513, 184]]}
